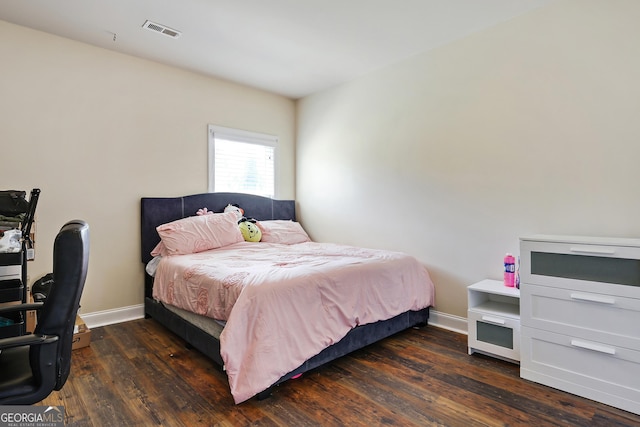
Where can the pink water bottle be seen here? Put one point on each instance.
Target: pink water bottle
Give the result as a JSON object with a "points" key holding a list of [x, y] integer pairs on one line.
{"points": [[509, 270]]}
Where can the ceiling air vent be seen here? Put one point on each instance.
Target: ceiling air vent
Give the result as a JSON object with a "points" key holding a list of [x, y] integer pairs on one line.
{"points": [[162, 29]]}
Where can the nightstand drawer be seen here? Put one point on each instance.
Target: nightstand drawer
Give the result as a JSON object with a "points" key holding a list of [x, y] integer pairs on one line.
{"points": [[605, 373], [599, 317], [497, 335]]}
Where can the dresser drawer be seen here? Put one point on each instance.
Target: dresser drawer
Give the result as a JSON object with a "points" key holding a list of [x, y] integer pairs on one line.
{"points": [[600, 317], [587, 368], [594, 263]]}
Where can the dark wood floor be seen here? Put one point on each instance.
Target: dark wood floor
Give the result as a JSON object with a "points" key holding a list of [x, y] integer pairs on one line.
{"points": [[139, 374]]}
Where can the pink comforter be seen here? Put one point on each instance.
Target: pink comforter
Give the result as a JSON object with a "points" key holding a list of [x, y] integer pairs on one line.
{"points": [[285, 303]]}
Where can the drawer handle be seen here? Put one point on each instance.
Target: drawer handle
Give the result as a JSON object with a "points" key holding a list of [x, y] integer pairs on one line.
{"points": [[590, 250], [493, 320], [594, 298], [593, 346]]}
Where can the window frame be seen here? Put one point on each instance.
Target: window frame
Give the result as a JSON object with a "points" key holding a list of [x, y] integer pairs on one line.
{"points": [[241, 136]]}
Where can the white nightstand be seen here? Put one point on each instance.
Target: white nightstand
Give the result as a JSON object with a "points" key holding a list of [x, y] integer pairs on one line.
{"points": [[493, 319]]}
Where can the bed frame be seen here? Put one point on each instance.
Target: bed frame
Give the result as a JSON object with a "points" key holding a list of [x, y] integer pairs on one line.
{"points": [[156, 211]]}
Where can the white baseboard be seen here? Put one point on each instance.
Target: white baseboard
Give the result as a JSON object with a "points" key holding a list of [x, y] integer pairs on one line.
{"points": [[133, 312], [110, 317], [448, 321]]}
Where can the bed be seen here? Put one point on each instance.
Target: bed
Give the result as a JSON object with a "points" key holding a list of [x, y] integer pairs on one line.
{"points": [[218, 339]]}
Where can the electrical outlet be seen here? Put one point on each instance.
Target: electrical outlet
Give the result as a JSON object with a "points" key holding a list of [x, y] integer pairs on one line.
{"points": [[31, 254]]}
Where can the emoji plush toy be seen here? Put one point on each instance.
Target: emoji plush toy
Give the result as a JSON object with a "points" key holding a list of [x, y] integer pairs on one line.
{"points": [[249, 230]]}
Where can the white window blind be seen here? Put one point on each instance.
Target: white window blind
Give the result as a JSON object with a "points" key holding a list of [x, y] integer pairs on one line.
{"points": [[241, 161]]}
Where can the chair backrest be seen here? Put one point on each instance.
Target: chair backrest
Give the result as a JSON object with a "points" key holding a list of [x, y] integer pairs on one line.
{"points": [[57, 316]]}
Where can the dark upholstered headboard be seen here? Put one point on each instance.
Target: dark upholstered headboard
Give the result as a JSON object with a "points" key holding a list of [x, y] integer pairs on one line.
{"points": [[159, 210]]}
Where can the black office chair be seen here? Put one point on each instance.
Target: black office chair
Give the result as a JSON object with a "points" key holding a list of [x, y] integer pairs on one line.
{"points": [[32, 366]]}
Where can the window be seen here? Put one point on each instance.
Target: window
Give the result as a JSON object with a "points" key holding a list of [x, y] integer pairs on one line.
{"points": [[241, 161]]}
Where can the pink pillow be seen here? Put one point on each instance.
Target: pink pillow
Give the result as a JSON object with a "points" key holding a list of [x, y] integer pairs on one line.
{"points": [[159, 250], [200, 233], [282, 231]]}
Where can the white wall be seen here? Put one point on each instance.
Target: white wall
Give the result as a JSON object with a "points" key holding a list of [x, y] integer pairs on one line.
{"points": [[528, 127], [96, 131]]}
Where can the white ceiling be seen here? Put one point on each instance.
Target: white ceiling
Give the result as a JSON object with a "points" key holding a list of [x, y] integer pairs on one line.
{"points": [[290, 47]]}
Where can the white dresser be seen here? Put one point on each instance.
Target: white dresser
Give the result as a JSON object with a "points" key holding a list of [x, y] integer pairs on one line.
{"points": [[580, 316]]}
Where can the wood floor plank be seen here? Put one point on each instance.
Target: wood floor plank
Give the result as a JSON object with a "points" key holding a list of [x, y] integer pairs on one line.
{"points": [[392, 377], [504, 379], [491, 386], [70, 397], [140, 374]]}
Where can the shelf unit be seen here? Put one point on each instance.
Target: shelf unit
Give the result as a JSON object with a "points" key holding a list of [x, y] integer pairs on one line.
{"points": [[13, 275], [493, 318], [12, 291]]}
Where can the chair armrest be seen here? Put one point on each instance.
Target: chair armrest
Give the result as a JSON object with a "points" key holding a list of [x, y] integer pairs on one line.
{"points": [[20, 307], [29, 339]]}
